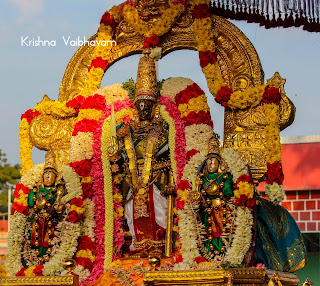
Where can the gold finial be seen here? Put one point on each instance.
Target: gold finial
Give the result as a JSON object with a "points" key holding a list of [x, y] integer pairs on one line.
{"points": [[307, 283], [69, 265], [50, 162], [277, 81], [275, 280], [146, 87], [214, 145]]}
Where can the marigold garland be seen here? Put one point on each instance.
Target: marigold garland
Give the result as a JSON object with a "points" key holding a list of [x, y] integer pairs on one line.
{"points": [[224, 95], [160, 27], [55, 108], [25, 146]]}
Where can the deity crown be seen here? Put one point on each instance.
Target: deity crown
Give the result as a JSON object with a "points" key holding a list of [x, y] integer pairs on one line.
{"points": [[213, 148], [146, 87], [50, 162]]}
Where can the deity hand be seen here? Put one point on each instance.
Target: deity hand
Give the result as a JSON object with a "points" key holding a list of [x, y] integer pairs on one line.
{"points": [[195, 199], [58, 206], [168, 188], [113, 148]]}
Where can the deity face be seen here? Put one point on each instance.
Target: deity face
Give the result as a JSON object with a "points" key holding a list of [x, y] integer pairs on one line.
{"points": [[212, 165], [49, 178], [152, 9], [144, 107]]}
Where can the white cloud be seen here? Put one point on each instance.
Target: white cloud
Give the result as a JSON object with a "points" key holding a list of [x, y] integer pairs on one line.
{"points": [[27, 8]]}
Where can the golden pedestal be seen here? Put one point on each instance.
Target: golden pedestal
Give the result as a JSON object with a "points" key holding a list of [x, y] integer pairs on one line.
{"points": [[213, 277], [218, 277], [68, 280]]}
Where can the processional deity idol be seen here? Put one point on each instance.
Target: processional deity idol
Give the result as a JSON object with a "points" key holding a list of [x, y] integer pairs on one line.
{"points": [[142, 183], [45, 219], [141, 150]]}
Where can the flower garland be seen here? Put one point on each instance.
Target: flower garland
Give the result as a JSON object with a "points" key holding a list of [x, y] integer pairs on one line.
{"points": [[244, 191], [161, 26], [54, 108], [187, 102], [274, 176], [24, 139], [68, 245], [248, 98], [107, 231], [108, 187], [89, 107], [187, 233], [242, 237], [170, 114], [15, 241], [66, 232]]}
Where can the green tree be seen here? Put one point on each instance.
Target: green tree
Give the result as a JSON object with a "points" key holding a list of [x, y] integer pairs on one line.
{"points": [[9, 176]]}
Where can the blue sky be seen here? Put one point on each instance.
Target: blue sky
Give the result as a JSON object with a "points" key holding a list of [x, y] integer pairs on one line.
{"points": [[27, 73]]}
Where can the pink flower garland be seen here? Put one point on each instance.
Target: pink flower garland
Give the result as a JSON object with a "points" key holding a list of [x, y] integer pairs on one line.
{"points": [[180, 153], [98, 197]]}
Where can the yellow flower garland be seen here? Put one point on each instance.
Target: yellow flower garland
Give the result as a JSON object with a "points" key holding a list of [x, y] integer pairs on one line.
{"points": [[160, 27], [108, 194], [195, 104], [91, 114], [55, 108], [25, 146], [248, 98], [272, 133]]}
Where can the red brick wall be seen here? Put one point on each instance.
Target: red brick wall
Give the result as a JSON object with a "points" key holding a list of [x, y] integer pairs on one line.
{"points": [[304, 206]]}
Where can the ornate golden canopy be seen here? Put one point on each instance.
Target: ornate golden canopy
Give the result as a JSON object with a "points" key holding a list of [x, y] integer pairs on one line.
{"points": [[240, 67]]}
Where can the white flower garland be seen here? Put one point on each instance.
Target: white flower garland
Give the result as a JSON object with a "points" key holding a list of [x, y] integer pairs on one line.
{"points": [[81, 146], [113, 93], [237, 166], [15, 240], [68, 246], [32, 176], [188, 234], [190, 170], [88, 224], [172, 86], [275, 193], [242, 237], [79, 270], [73, 186], [197, 137]]}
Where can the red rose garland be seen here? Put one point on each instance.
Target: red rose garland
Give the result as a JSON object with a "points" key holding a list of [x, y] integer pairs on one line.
{"points": [[274, 173], [201, 11], [207, 57], [107, 20], [99, 63], [152, 42], [224, 95], [30, 114], [271, 95]]}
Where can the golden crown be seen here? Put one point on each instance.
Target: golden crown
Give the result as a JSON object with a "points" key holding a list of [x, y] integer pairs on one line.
{"points": [[146, 87], [50, 162], [213, 148]]}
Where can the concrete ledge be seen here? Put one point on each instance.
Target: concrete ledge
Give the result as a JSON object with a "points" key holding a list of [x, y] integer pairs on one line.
{"points": [[300, 139]]}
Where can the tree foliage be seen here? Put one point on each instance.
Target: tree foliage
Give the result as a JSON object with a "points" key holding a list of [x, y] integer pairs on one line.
{"points": [[9, 176]]}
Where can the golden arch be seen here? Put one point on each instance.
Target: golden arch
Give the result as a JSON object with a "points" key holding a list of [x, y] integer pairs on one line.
{"points": [[239, 65]]}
